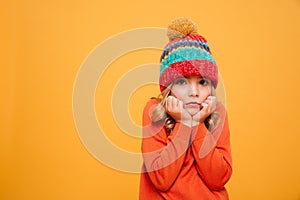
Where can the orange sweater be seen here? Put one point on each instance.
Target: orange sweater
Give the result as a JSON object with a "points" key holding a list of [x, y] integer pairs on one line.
{"points": [[190, 163]]}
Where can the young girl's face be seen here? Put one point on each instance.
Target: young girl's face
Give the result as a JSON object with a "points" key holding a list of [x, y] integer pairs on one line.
{"points": [[192, 91]]}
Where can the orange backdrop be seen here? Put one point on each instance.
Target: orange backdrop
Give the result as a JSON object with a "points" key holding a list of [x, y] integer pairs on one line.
{"points": [[43, 44]]}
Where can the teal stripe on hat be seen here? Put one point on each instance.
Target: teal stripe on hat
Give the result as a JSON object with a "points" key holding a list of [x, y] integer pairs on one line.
{"points": [[185, 53]]}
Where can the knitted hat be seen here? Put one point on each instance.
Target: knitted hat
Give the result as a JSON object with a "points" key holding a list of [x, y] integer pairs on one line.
{"points": [[187, 54]]}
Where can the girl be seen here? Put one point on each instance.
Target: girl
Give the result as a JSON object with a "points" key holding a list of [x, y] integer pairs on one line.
{"points": [[186, 146]]}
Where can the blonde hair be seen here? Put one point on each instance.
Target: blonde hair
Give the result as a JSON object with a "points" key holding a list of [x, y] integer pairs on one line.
{"points": [[159, 114]]}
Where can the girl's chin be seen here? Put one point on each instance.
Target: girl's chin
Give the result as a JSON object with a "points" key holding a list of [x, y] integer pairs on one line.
{"points": [[193, 111]]}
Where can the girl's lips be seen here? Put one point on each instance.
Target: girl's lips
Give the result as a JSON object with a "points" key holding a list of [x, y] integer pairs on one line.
{"points": [[193, 103]]}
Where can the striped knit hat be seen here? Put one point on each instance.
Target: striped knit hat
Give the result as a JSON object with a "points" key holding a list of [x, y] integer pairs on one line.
{"points": [[186, 54]]}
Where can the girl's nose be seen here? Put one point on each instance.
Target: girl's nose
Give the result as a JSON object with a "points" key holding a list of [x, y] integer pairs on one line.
{"points": [[194, 90]]}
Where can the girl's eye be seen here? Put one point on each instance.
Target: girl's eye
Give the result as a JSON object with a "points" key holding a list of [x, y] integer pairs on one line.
{"points": [[180, 82], [204, 82]]}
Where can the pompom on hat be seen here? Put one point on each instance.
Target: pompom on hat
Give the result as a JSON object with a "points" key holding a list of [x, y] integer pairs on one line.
{"points": [[186, 54]]}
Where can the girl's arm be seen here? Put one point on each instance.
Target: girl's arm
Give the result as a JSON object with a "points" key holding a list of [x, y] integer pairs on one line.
{"points": [[212, 153], [163, 155]]}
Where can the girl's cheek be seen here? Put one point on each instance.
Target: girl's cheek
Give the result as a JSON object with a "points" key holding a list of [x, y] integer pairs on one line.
{"points": [[205, 92], [175, 92]]}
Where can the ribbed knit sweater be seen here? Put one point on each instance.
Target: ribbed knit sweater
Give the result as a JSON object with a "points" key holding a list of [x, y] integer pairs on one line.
{"points": [[191, 163]]}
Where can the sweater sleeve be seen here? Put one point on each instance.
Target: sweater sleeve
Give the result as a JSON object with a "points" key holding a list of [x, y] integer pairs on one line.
{"points": [[212, 152], [163, 155]]}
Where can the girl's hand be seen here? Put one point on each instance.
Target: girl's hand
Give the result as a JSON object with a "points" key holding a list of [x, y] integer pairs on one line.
{"points": [[174, 108], [209, 105]]}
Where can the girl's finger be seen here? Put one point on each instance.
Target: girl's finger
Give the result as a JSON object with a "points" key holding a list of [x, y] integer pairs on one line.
{"points": [[207, 101], [169, 103], [175, 102], [209, 97], [212, 98], [180, 104], [172, 102], [204, 110], [204, 106]]}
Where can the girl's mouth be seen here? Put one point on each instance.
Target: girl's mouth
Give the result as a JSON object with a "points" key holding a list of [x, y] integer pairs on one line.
{"points": [[194, 104]]}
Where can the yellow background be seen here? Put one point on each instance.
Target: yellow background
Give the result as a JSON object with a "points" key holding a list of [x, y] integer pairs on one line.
{"points": [[43, 43]]}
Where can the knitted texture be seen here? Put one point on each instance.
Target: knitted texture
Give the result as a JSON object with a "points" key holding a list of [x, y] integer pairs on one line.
{"points": [[187, 56]]}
